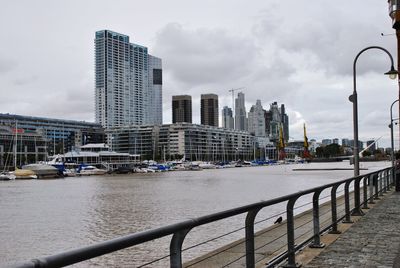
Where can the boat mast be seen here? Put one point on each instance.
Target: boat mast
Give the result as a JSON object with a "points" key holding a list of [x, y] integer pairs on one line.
{"points": [[16, 145]]}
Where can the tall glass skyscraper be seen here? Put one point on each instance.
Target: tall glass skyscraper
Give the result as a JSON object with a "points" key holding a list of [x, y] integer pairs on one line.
{"points": [[128, 82], [240, 113]]}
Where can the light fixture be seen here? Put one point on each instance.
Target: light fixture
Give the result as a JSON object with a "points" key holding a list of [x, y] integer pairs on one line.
{"points": [[392, 73]]}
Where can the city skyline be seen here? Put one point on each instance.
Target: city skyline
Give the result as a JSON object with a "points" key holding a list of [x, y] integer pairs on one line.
{"points": [[44, 73]]}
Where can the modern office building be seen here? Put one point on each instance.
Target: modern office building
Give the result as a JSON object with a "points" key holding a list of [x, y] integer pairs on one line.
{"points": [[227, 118], [372, 145], [240, 113], [346, 142], [256, 120], [182, 109], [56, 136], [183, 141], [276, 117], [154, 110], [209, 110], [326, 142], [128, 82], [335, 141]]}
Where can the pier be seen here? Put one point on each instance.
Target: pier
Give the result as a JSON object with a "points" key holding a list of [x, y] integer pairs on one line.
{"points": [[292, 242]]}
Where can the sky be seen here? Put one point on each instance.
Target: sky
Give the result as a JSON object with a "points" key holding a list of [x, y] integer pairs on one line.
{"points": [[298, 53]]}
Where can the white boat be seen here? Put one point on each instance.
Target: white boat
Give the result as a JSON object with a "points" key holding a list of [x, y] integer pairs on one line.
{"points": [[43, 171], [7, 176], [206, 165], [91, 170]]}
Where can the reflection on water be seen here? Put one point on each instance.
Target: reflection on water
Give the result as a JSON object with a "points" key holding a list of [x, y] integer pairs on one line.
{"points": [[44, 217]]}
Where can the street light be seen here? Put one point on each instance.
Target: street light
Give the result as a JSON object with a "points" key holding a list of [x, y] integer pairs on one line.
{"points": [[392, 144], [353, 98]]}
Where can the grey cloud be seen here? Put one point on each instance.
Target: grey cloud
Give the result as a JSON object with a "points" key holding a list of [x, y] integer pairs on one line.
{"points": [[204, 56], [7, 65]]}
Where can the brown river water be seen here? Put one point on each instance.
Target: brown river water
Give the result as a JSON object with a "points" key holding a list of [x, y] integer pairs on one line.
{"points": [[44, 217]]}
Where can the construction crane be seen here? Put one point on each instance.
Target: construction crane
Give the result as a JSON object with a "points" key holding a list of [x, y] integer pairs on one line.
{"points": [[233, 98]]}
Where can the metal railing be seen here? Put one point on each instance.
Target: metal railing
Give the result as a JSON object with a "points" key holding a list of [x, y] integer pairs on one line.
{"points": [[373, 185]]}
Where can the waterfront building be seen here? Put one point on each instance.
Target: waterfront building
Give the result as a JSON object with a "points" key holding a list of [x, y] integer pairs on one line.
{"points": [[59, 135], [326, 142], [19, 147], [346, 142], [285, 122], [360, 145], [240, 113], [209, 110], [183, 141], [155, 108], [182, 109], [373, 146], [256, 120], [227, 118], [274, 118], [128, 82]]}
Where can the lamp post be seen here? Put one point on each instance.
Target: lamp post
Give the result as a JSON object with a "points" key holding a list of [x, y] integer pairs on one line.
{"points": [[353, 98], [397, 184]]}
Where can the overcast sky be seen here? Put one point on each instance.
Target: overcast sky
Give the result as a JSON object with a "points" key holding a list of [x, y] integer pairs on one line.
{"points": [[299, 53]]}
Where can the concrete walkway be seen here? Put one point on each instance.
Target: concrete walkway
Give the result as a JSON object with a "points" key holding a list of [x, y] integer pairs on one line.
{"points": [[373, 241]]}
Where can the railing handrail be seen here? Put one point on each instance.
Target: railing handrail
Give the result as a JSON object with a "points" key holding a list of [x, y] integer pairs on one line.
{"points": [[105, 247]]}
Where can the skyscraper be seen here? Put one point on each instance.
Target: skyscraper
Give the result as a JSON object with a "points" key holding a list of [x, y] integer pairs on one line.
{"points": [[227, 118], [209, 110], [182, 109], [256, 121], [240, 113], [128, 82]]}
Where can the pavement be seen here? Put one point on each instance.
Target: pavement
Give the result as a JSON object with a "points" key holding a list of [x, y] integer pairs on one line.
{"points": [[373, 240]]}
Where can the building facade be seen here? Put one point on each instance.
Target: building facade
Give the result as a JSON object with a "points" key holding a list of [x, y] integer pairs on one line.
{"points": [[240, 113], [256, 120], [51, 136], [274, 119], [127, 82], [183, 141], [227, 118], [209, 110], [182, 109]]}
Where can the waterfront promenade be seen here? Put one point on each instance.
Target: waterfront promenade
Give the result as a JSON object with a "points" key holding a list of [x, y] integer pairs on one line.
{"points": [[373, 240]]}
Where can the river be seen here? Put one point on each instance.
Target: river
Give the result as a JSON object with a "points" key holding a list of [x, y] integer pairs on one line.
{"points": [[44, 217]]}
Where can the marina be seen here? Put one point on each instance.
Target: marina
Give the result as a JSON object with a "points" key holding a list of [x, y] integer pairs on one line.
{"points": [[43, 217]]}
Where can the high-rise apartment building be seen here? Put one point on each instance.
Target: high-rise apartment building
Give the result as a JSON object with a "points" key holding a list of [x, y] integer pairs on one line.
{"points": [[209, 110], [227, 118], [256, 120], [128, 82], [240, 113], [182, 109]]}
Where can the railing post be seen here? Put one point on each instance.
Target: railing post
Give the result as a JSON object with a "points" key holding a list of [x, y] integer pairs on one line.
{"points": [[250, 254], [357, 204], [380, 178], [371, 189], [384, 181], [291, 260], [376, 178], [334, 210], [347, 218], [175, 248], [365, 192], [317, 241]]}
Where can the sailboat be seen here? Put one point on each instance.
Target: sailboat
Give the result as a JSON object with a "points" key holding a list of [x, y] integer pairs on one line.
{"points": [[6, 175], [20, 174]]}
